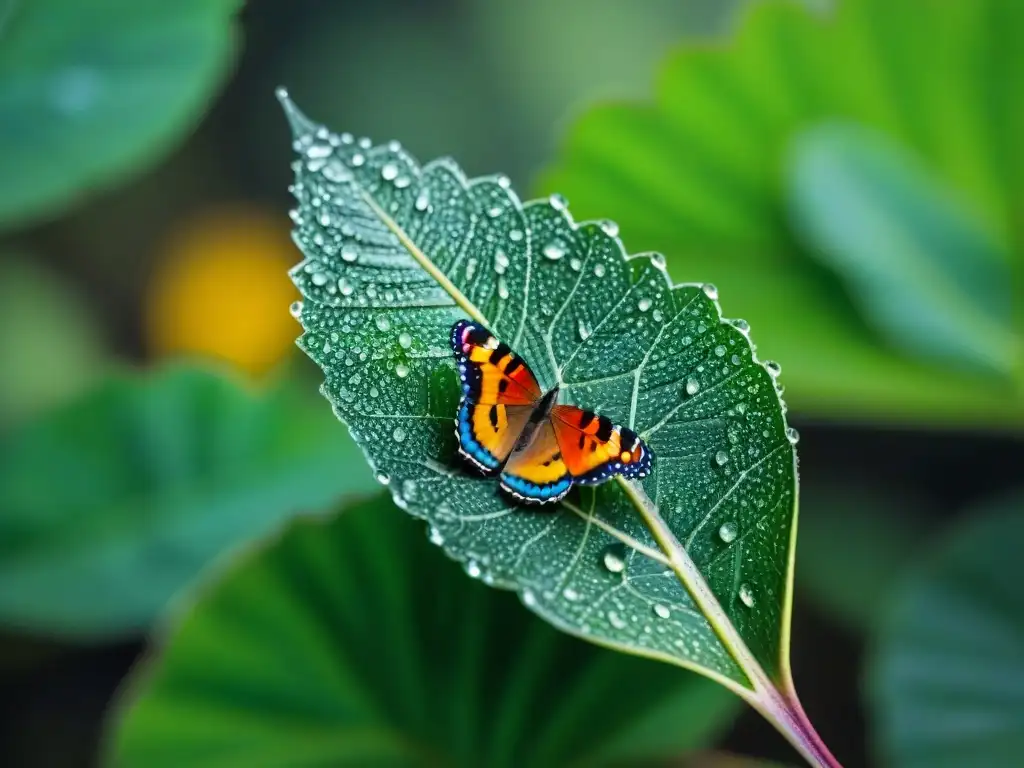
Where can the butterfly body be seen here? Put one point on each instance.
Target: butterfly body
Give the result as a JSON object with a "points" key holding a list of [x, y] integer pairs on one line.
{"points": [[539, 448]]}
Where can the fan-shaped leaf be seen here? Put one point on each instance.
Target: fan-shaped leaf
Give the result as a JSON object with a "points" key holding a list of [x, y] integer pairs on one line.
{"points": [[701, 173], [946, 673], [396, 252], [113, 502], [926, 274], [350, 642]]}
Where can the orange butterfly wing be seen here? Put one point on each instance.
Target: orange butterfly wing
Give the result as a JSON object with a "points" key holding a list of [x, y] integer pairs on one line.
{"points": [[499, 394], [594, 449], [536, 472]]}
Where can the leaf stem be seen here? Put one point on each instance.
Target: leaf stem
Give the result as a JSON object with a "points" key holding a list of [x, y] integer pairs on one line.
{"points": [[780, 707]]}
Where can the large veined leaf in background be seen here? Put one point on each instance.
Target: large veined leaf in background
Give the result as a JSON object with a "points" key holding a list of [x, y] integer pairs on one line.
{"points": [[927, 276], [700, 174], [116, 500], [351, 642], [91, 91], [946, 673], [692, 566]]}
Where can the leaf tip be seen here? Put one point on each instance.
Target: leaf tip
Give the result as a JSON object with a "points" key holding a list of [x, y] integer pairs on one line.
{"points": [[300, 124]]}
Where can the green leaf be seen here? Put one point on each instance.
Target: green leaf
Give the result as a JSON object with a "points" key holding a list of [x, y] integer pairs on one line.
{"points": [[945, 674], [925, 273], [115, 501], [91, 92], [51, 347], [701, 173], [854, 540], [349, 642], [693, 565]]}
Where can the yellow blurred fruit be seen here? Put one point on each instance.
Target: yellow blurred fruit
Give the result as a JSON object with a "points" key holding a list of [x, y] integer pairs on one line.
{"points": [[220, 288]]}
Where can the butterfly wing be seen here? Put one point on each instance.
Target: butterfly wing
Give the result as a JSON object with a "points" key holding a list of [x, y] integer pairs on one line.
{"points": [[594, 449], [499, 393], [536, 472]]}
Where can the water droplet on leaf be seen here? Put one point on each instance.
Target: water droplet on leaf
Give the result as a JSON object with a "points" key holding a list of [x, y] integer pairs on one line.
{"points": [[727, 532], [746, 595], [614, 558]]}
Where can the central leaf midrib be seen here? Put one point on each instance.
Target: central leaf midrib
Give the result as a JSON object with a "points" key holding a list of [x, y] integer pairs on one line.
{"points": [[696, 586]]}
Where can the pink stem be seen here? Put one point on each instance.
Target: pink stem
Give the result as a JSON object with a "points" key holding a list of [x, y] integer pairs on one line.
{"points": [[783, 709]]}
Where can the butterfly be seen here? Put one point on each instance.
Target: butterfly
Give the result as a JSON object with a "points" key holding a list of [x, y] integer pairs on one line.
{"points": [[508, 427]]}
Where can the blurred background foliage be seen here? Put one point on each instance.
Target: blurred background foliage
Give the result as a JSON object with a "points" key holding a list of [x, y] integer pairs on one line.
{"points": [[850, 175]]}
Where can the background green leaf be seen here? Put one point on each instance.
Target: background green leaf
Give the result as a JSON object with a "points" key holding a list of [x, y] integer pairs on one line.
{"points": [[350, 642], [50, 345], [113, 502], [700, 174], [926, 275], [91, 91], [382, 236], [946, 679]]}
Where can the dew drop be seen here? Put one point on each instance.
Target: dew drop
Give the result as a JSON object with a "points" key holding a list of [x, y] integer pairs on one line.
{"points": [[727, 532], [349, 253], [658, 260], [584, 330], [358, 159], [792, 435], [741, 325], [661, 611], [473, 569], [422, 201], [610, 228], [383, 478], [502, 287], [295, 309], [614, 558], [401, 370], [398, 434], [335, 171], [554, 251], [529, 599], [746, 596], [575, 264], [319, 278], [494, 212], [345, 287], [710, 291], [504, 181], [501, 262], [773, 368], [616, 620], [570, 594], [720, 350], [644, 304], [402, 182], [404, 340], [721, 458], [515, 236], [389, 171], [435, 536], [558, 202], [382, 322], [692, 386], [599, 269]]}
